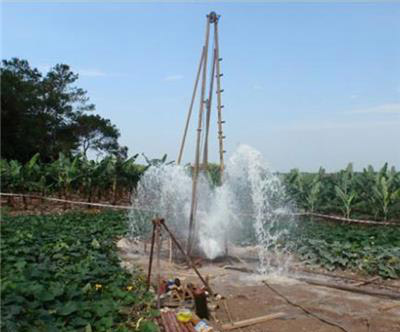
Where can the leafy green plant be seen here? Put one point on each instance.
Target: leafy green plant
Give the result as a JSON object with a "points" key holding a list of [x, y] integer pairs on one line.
{"points": [[368, 194], [62, 273], [372, 250]]}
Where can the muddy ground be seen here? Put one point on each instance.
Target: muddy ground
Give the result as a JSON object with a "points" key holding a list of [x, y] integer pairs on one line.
{"points": [[247, 296]]}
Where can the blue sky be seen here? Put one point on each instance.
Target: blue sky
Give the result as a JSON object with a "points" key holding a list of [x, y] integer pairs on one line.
{"points": [[306, 84]]}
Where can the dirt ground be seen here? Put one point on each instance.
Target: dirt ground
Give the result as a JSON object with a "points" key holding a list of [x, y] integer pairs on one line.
{"points": [[247, 297]]}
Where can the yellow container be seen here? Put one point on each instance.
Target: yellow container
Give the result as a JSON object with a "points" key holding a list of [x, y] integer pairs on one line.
{"points": [[184, 315]]}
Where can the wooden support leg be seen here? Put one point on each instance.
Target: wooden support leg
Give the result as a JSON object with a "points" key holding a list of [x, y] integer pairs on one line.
{"points": [[170, 250], [151, 256], [158, 237], [188, 260]]}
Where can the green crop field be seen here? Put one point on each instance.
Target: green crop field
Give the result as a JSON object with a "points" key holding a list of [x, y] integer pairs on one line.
{"points": [[62, 273], [367, 250]]}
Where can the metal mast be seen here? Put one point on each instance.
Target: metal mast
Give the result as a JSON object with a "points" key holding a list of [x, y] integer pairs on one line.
{"points": [[205, 106]]}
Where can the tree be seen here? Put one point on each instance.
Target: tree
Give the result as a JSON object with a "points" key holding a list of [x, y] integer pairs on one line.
{"points": [[97, 134], [45, 114]]}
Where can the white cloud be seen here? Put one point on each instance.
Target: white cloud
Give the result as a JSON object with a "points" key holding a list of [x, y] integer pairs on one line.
{"points": [[354, 96], [384, 108], [175, 77]]}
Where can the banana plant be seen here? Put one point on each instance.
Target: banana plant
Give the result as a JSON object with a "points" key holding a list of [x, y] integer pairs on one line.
{"points": [[31, 173], [313, 193], [345, 190], [347, 199], [125, 175], [385, 191], [158, 162], [304, 188], [5, 175], [89, 177], [12, 178], [64, 172], [295, 186]]}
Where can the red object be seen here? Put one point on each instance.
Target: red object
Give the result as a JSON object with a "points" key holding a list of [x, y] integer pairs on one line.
{"points": [[163, 287]]}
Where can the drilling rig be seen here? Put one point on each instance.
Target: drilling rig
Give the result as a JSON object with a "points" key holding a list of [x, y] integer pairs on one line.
{"points": [[207, 89]]}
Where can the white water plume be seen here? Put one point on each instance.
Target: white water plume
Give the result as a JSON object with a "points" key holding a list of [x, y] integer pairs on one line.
{"points": [[248, 207]]}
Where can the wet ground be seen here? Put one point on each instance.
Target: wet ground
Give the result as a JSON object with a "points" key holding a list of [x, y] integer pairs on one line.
{"points": [[248, 297]]}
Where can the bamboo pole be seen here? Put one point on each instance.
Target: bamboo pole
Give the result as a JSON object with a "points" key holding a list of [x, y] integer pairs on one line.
{"points": [[208, 114], [191, 107], [197, 156], [151, 255], [158, 236], [251, 321], [219, 102]]}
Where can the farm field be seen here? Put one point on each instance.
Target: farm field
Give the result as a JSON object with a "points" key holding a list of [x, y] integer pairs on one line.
{"points": [[62, 272], [200, 167]]}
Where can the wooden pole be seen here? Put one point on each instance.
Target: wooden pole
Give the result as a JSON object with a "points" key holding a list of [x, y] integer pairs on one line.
{"points": [[208, 114], [219, 102], [158, 237], [151, 255], [197, 156], [251, 321], [191, 107], [188, 259]]}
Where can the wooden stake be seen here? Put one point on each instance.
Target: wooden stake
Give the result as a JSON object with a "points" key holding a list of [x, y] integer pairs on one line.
{"points": [[170, 250], [151, 255], [158, 237], [251, 321]]}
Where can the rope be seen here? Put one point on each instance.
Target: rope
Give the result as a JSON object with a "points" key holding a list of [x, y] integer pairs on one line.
{"points": [[343, 219], [126, 207]]}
